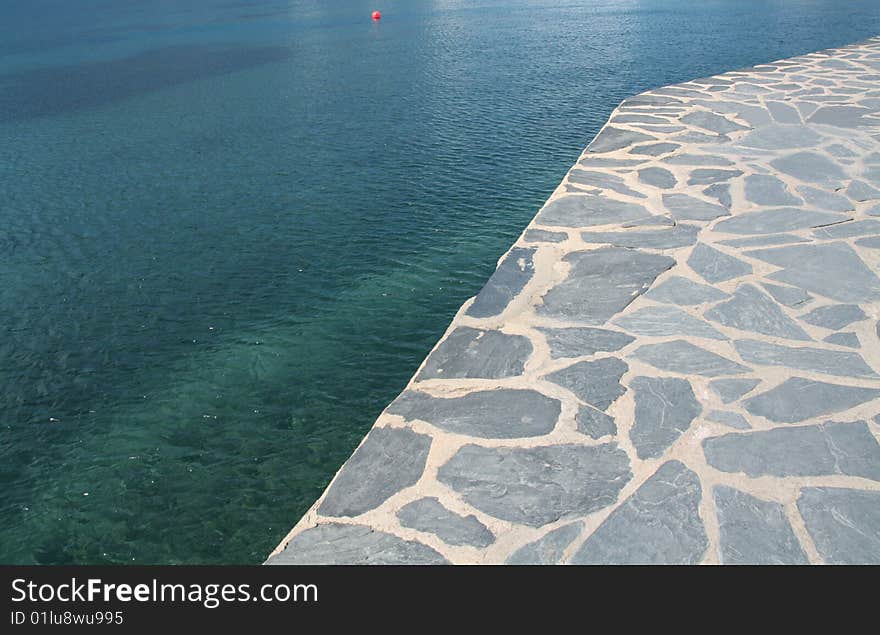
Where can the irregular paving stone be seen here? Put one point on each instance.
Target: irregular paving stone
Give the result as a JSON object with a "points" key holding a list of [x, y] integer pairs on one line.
{"points": [[684, 207], [781, 138], [537, 486], [820, 360], [683, 357], [840, 150], [610, 139], [773, 221], [830, 269], [604, 181], [697, 159], [388, 460], [874, 211], [658, 177], [655, 149], [844, 339], [548, 549], [870, 243], [477, 353], [842, 116], [666, 320], [665, 407], [763, 189], [720, 191], [597, 383], [732, 419], [843, 523], [576, 342], [810, 167], [848, 230], [783, 113], [636, 118], [711, 121], [430, 516], [651, 221], [659, 524], [489, 414], [592, 161], [751, 310], [685, 292], [820, 450], [595, 424], [789, 296], [798, 399], [835, 317], [761, 241], [589, 210], [861, 191], [705, 176], [715, 266], [544, 236], [754, 531], [509, 279], [732, 389], [680, 235], [825, 200], [333, 543], [601, 283]]}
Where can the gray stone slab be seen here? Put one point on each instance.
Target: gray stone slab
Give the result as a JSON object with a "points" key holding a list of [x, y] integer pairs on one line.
{"points": [[511, 276], [430, 516], [686, 158], [810, 168], [788, 296], [666, 320], [601, 283], [597, 383], [537, 486], [843, 523], [594, 423], [842, 116], [683, 357], [639, 118], [594, 161], [658, 177], [835, 316], [819, 360], [488, 414], [729, 390], [820, 450], [831, 269], [751, 310], [659, 524], [477, 353], [776, 137], [774, 221], [848, 230], [337, 544], [798, 399], [544, 236], [680, 235], [765, 240], [825, 200], [577, 342], [783, 113], [873, 211], [732, 419], [840, 150], [869, 243], [548, 549], [603, 180], [651, 221], [754, 531], [655, 149], [589, 210], [714, 266], [684, 207], [697, 137], [844, 339], [610, 139], [684, 292], [711, 121], [706, 176], [764, 189], [665, 407], [861, 191], [721, 192], [388, 460]]}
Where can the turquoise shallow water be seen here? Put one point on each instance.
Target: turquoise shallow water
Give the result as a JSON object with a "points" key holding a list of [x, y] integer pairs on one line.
{"points": [[231, 230]]}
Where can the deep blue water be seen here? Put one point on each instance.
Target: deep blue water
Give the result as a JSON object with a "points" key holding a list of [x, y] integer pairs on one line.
{"points": [[231, 229]]}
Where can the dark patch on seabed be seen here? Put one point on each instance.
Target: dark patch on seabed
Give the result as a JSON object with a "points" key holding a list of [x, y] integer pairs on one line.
{"points": [[52, 91]]}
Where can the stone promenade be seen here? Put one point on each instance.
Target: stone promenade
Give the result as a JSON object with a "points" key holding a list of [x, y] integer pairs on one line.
{"points": [[678, 361]]}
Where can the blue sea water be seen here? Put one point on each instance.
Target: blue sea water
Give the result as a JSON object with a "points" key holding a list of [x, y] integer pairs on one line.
{"points": [[231, 229]]}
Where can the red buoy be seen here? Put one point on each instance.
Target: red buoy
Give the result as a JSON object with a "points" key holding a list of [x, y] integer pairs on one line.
{"points": [[377, 15]]}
